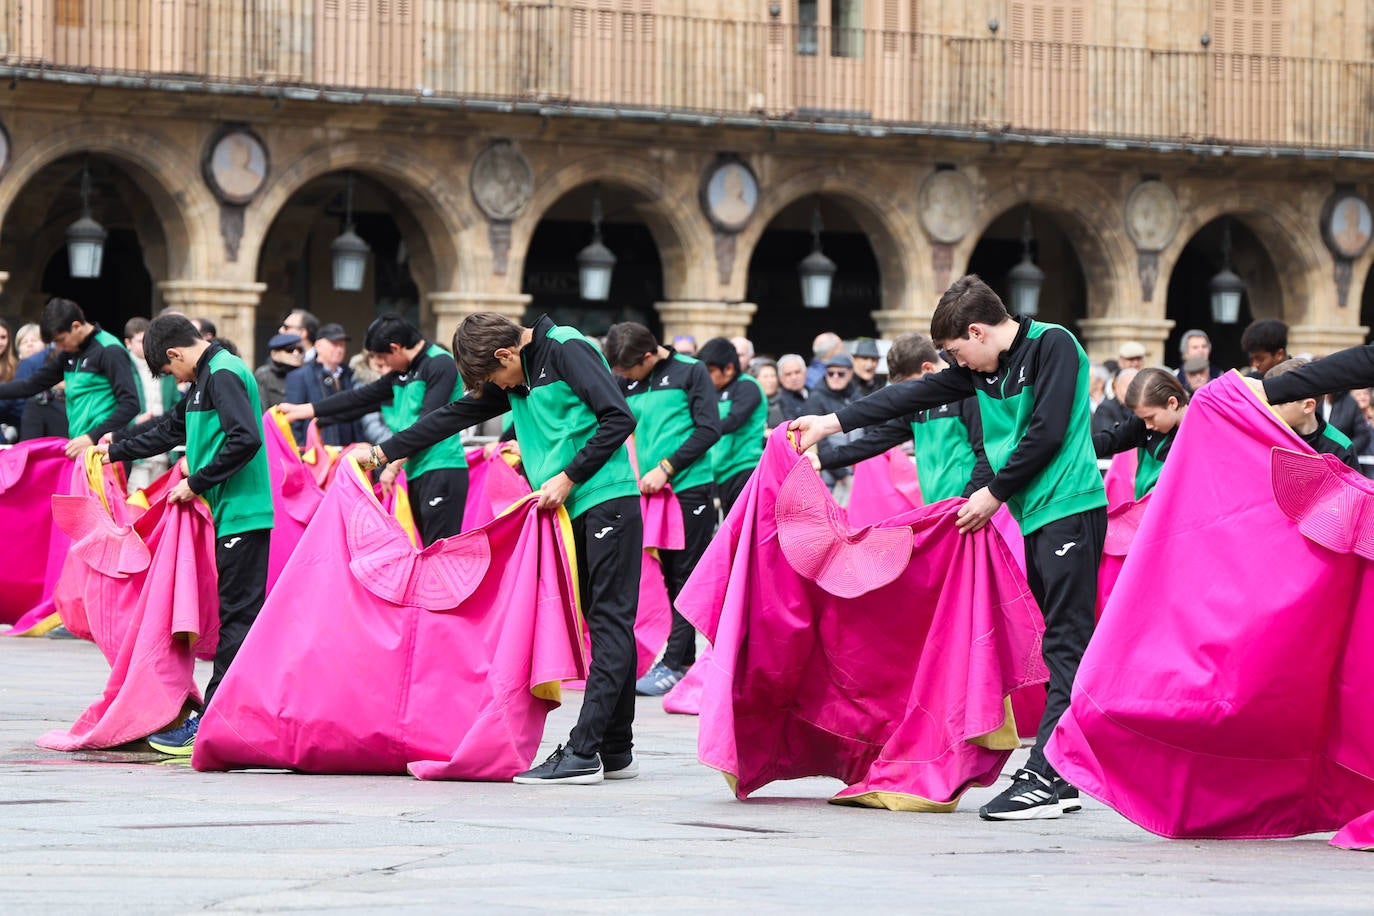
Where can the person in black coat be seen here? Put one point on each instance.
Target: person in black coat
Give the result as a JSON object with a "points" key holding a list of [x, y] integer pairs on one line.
{"points": [[327, 374]]}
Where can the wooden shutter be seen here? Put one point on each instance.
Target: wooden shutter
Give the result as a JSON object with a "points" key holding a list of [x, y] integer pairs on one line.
{"points": [[1249, 42], [1048, 82]]}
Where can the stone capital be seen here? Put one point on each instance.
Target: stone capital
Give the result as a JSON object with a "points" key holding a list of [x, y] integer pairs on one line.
{"points": [[892, 322], [231, 306], [1323, 340], [705, 319], [449, 308], [1103, 337]]}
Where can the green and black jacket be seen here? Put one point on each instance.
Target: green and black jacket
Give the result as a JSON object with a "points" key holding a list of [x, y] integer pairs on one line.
{"points": [[219, 422], [569, 416], [103, 392], [1328, 440], [1036, 422], [743, 428], [675, 418], [948, 440], [429, 383], [1151, 449]]}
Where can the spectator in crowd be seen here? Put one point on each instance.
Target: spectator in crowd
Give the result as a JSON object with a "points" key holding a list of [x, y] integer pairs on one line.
{"points": [[766, 371], [744, 349], [1341, 411], [825, 345], [1131, 355], [284, 354], [1265, 342], [1114, 410], [305, 326], [1098, 381], [1195, 343], [207, 328], [685, 344], [837, 393], [866, 357], [1196, 372], [367, 368], [44, 414], [317, 380], [792, 391], [11, 410]]}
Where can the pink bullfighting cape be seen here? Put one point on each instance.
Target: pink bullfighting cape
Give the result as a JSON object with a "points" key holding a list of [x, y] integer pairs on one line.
{"points": [[883, 486], [296, 493], [881, 656], [493, 485], [30, 473], [146, 593], [1226, 692], [443, 661]]}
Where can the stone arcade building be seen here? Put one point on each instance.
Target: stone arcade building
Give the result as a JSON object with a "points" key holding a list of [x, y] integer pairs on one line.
{"points": [[226, 145]]}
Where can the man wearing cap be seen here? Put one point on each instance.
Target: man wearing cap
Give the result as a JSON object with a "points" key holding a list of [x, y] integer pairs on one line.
{"points": [[866, 356], [1196, 372], [327, 374], [285, 352], [835, 393], [1195, 343], [1131, 355]]}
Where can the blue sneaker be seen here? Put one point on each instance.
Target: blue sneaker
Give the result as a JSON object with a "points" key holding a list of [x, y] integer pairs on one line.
{"points": [[658, 680], [179, 741]]}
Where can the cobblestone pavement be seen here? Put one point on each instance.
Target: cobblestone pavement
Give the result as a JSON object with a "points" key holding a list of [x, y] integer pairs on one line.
{"points": [[117, 832]]}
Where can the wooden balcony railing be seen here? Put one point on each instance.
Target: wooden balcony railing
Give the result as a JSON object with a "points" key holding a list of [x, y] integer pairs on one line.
{"points": [[584, 58]]}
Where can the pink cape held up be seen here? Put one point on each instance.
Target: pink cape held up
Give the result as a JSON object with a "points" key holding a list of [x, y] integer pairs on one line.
{"points": [[146, 593], [1226, 692], [881, 656], [30, 473], [443, 661]]}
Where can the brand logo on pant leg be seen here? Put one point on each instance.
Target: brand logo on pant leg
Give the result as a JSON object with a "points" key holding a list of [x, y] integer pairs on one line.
{"points": [[229, 544], [1065, 549], [603, 532], [436, 500], [699, 509]]}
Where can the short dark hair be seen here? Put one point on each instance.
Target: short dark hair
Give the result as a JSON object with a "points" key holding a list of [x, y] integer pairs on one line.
{"points": [[1288, 365], [58, 316], [135, 326], [309, 323], [207, 327], [390, 329], [1153, 387], [164, 333], [475, 343], [626, 343], [967, 301], [1267, 335], [719, 352], [908, 353]]}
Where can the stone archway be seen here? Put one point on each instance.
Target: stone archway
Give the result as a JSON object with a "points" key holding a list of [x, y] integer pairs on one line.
{"points": [[1064, 295]]}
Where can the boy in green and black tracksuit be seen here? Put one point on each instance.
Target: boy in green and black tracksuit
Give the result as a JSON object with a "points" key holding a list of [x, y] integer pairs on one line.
{"points": [[102, 389], [571, 421], [1031, 382], [743, 420], [673, 401], [423, 378], [219, 423]]}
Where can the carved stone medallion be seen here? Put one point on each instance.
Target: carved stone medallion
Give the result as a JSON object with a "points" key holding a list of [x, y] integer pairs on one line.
{"points": [[1152, 215], [729, 194], [236, 165], [947, 205], [1347, 225], [502, 181]]}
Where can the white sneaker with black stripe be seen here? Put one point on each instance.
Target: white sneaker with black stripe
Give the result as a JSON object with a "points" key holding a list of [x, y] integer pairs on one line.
{"points": [[1031, 797]]}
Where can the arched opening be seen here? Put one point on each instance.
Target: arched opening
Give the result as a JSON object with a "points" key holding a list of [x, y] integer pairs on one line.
{"points": [[1189, 296], [33, 246], [782, 324], [550, 275], [1063, 295], [296, 260]]}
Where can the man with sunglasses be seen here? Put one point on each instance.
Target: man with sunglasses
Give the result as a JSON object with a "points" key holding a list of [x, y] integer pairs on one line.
{"points": [[285, 352], [327, 374], [836, 392]]}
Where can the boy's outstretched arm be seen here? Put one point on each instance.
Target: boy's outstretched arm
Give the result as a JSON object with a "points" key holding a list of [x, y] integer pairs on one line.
{"points": [[242, 426], [449, 420], [160, 436]]}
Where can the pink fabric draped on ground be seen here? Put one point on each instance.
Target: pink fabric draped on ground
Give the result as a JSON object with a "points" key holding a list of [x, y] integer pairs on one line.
{"points": [[882, 656], [30, 473], [147, 595], [1227, 690], [444, 662], [883, 486]]}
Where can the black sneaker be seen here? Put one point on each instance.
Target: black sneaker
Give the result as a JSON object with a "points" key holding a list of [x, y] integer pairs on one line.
{"points": [[1030, 798], [620, 766], [563, 766], [1068, 796]]}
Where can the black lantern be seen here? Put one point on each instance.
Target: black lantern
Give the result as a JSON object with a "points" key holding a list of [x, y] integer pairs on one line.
{"points": [[350, 251], [85, 237], [816, 270], [1025, 278], [1226, 287], [595, 263]]}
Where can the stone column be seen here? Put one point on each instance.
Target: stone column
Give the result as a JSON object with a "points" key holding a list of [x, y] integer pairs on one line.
{"points": [[1323, 340], [450, 308], [892, 322], [1103, 337], [3, 277], [705, 319], [232, 307]]}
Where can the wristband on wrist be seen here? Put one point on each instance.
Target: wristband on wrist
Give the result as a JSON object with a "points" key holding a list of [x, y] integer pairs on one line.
{"points": [[666, 467], [378, 459]]}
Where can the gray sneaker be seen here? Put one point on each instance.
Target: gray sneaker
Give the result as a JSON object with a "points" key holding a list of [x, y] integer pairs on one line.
{"points": [[658, 680]]}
